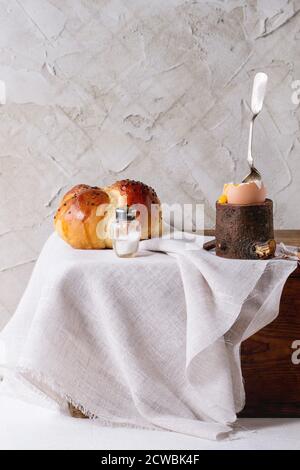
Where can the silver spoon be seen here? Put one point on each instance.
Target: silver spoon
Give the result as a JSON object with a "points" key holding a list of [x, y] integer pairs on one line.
{"points": [[257, 101]]}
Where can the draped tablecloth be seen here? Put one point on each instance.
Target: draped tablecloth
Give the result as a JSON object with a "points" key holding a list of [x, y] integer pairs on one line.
{"points": [[152, 341]]}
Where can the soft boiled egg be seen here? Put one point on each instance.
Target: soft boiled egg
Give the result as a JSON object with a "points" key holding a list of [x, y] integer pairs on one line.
{"points": [[243, 193]]}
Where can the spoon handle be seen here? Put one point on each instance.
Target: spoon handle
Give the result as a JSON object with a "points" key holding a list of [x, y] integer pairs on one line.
{"points": [[257, 101], [250, 157], [258, 92]]}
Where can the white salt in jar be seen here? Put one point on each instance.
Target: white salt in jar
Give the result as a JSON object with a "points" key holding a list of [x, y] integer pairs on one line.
{"points": [[125, 233]]}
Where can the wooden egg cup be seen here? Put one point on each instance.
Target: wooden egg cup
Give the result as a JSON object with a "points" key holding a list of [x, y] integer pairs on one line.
{"points": [[244, 231]]}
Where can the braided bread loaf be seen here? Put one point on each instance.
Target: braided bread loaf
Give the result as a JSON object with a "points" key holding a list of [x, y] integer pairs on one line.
{"points": [[86, 213]]}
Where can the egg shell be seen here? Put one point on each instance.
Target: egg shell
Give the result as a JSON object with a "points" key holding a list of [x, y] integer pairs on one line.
{"points": [[245, 193]]}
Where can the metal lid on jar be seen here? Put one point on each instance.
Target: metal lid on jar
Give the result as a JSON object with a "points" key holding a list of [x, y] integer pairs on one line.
{"points": [[125, 213]]}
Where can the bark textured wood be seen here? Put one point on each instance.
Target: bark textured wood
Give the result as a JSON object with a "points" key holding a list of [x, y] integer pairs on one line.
{"points": [[245, 231]]}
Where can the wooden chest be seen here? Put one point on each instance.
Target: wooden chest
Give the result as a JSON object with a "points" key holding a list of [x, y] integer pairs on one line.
{"points": [[271, 358]]}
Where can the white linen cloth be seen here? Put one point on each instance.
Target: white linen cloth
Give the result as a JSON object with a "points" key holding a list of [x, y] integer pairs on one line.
{"points": [[151, 341]]}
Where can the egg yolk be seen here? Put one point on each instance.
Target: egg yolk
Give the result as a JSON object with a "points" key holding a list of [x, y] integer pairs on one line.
{"points": [[223, 199]]}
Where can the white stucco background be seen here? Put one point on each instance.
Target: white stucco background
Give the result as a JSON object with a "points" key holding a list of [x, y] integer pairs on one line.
{"points": [[155, 90]]}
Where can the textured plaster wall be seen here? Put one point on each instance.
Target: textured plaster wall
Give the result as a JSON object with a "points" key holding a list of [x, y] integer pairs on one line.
{"points": [[151, 89]]}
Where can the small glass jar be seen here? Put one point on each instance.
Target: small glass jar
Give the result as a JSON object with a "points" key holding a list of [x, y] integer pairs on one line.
{"points": [[125, 233]]}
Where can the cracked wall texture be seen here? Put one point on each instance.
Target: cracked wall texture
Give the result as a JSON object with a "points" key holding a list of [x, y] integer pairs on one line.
{"points": [[148, 89]]}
